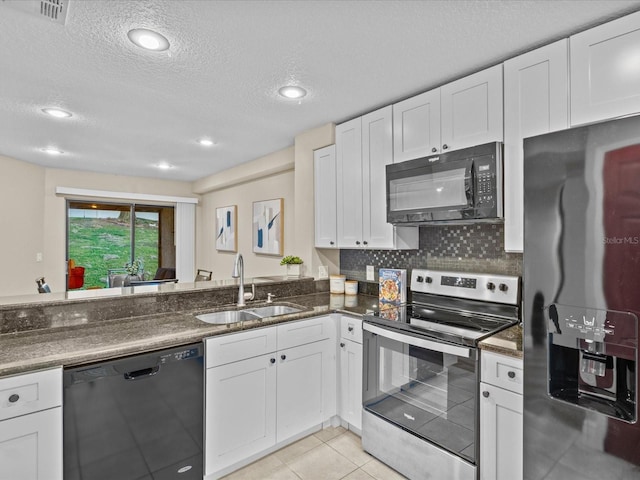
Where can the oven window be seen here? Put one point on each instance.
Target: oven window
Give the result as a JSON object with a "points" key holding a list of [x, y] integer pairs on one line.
{"points": [[429, 393], [433, 190]]}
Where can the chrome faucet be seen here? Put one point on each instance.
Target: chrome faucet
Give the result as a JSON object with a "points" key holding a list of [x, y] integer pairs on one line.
{"points": [[238, 272]]}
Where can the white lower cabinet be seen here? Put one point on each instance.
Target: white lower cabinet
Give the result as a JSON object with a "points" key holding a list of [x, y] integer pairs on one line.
{"points": [[302, 375], [255, 404], [351, 383], [240, 411], [350, 373], [501, 417], [31, 446], [31, 426]]}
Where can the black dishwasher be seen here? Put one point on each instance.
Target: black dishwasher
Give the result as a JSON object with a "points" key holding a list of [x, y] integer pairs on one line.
{"points": [[136, 418]]}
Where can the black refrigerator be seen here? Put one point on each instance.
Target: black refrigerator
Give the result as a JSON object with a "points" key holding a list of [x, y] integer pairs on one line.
{"points": [[581, 302]]}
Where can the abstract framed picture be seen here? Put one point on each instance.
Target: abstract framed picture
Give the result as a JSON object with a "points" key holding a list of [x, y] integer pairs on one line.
{"points": [[268, 227], [226, 228]]}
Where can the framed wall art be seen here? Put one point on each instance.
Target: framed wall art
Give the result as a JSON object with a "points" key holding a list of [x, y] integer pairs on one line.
{"points": [[226, 228], [268, 227]]}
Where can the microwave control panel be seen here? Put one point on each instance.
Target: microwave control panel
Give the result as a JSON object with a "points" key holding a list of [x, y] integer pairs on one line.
{"points": [[485, 182]]}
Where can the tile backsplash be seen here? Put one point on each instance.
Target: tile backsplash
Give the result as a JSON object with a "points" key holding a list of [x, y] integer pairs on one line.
{"points": [[477, 248]]}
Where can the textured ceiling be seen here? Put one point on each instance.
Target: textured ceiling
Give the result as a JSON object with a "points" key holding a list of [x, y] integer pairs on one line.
{"points": [[133, 109]]}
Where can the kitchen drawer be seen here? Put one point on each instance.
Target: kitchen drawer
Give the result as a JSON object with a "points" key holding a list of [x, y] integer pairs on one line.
{"points": [[30, 392], [351, 328], [232, 347], [292, 334], [502, 371]]}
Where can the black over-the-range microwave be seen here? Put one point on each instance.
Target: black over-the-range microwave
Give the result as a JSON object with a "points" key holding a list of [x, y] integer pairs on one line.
{"points": [[460, 186]]}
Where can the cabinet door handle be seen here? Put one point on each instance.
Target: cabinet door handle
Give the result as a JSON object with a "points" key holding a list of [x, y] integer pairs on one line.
{"points": [[511, 374], [357, 242], [434, 149], [485, 394], [14, 398], [283, 357], [350, 328], [445, 146], [331, 242], [342, 344], [272, 360], [365, 242]]}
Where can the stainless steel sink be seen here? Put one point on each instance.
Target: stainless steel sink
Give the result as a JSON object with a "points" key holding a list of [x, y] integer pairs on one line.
{"points": [[273, 310], [227, 316], [235, 316]]}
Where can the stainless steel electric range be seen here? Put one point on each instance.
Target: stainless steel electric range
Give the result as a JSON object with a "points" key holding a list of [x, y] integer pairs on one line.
{"points": [[421, 372]]}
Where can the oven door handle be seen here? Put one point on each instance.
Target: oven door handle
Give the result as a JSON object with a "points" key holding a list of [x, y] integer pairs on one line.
{"points": [[418, 342]]}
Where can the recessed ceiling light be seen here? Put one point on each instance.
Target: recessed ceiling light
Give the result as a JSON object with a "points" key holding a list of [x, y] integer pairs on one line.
{"points": [[52, 151], [205, 142], [56, 112], [292, 91], [148, 39], [164, 166]]}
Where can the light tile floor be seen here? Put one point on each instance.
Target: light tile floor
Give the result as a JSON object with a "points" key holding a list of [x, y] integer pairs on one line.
{"points": [[330, 454]]}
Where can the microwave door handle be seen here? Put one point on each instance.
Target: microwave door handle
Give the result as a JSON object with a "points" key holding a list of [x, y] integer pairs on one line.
{"points": [[469, 180], [418, 342]]}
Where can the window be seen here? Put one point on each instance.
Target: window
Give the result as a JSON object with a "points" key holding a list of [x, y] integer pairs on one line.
{"points": [[106, 236]]}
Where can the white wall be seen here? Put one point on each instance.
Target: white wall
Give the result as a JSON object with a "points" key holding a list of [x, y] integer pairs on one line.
{"points": [[55, 209], [285, 174], [33, 218], [21, 225], [243, 193]]}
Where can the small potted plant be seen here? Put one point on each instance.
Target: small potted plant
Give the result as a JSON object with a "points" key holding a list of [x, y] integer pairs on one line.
{"points": [[294, 265], [134, 270]]}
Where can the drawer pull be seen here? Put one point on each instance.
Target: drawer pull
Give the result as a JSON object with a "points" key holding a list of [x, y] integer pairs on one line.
{"points": [[342, 344], [485, 394], [14, 398], [272, 360], [511, 374], [350, 328], [283, 357]]}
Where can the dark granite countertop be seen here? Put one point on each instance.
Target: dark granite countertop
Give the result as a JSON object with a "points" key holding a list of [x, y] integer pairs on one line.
{"points": [[91, 342], [507, 342]]}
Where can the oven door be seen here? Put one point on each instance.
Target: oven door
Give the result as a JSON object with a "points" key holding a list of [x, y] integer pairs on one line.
{"points": [[428, 388]]}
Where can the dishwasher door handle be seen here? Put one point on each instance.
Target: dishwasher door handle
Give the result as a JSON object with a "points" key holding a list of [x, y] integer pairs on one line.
{"points": [[142, 373]]}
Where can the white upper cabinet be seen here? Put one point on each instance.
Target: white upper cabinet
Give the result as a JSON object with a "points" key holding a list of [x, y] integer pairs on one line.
{"points": [[349, 182], [460, 114], [472, 110], [377, 153], [536, 101], [605, 72], [324, 174], [416, 126], [364, 146]]}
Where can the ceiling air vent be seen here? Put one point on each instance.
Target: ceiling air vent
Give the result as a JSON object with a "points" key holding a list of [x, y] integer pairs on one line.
{"points": [[52, 10]]}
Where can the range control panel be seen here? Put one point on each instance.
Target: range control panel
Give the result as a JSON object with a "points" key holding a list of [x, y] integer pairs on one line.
{"points": [[474, 286]]}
